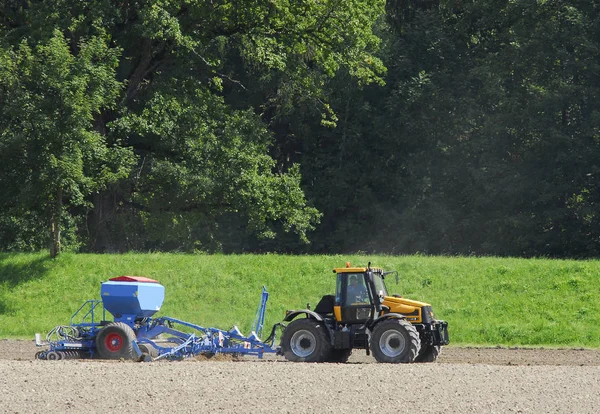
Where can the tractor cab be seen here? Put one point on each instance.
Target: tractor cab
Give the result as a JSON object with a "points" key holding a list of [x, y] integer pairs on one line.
{"points": [[359, 295]]}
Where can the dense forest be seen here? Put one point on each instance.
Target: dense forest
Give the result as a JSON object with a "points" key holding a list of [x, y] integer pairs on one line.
{"points": [[301, 126]]}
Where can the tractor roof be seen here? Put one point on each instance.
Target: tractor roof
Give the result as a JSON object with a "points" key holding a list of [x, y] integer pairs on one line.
{"points": [[356, 270]]}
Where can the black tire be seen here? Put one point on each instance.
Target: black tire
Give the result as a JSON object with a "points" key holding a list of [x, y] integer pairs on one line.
{"points": [[395, 341], [148, 349], [53, 356], [429, 353], [115, 341], [148, 352], [339, 355], [305, 340]]}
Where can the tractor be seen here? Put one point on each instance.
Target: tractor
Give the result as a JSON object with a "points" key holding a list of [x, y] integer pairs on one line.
{"points": [[363, 315]]}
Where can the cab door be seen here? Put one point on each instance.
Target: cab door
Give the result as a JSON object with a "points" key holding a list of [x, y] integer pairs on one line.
{"points": [[353, 307]]}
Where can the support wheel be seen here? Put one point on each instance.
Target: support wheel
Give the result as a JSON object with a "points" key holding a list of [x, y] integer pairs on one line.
{"points": [[339, 355], [305, 340], [115, 341], [148, 352], [429, 353], [395, 341]]}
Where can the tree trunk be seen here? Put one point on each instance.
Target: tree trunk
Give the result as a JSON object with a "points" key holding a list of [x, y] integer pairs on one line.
{"points": [[100, 223], [55, 225], [98, 232]]}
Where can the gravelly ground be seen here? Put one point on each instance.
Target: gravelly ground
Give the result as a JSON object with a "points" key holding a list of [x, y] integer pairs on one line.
{"points": [[463, 380]]}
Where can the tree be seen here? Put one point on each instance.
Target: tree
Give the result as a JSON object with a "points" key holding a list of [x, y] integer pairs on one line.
{"points": [[52, 155]]}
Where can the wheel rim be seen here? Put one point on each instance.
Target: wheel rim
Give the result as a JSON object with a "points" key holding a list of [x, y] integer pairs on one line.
{"points": [[113, 342], [392, 343], [303, 343]]}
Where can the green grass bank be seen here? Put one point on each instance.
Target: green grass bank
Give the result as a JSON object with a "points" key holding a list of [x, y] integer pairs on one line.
{"points": [[486, 301]]}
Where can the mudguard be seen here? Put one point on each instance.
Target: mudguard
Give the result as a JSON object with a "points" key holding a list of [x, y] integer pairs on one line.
{"points": [[292, 315]]}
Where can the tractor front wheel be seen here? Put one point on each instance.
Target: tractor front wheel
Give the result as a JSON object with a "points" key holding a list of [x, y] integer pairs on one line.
{"points": [[115, 341], [395, 341], [305, 340]]}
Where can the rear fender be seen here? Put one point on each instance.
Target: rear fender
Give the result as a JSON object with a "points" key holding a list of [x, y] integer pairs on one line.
{"points": [[309, 314]]}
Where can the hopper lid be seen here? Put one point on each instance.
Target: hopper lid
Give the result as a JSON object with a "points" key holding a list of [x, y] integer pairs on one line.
{"points": [[133, 279]]}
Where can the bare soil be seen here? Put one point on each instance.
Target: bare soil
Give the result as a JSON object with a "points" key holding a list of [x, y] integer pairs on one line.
{"points": [[463, 380]]}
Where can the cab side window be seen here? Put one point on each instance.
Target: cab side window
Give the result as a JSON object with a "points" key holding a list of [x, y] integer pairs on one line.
{"points": [[356, 292]]}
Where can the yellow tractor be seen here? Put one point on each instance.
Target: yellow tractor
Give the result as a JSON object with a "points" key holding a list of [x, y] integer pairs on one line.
{"points": [[363, 315]]}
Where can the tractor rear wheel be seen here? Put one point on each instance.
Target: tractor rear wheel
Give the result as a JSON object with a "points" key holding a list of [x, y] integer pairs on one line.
{"points": [[429, 353], [305, 340], [115, 341], [395, 341]]}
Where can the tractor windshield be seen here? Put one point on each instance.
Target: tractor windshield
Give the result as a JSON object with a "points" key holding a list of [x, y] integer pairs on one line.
{"points": [[380, 288]]}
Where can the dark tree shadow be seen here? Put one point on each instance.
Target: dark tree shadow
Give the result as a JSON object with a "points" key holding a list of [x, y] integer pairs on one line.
{"points": [[12, 275]]}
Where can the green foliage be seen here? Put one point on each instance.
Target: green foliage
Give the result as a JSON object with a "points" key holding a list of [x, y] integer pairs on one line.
{"points": [[435, 126], [207, 159], [127, 129], [486, 301]]}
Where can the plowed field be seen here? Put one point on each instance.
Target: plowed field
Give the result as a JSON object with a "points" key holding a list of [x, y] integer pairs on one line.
{"points": [[463, 380]]}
